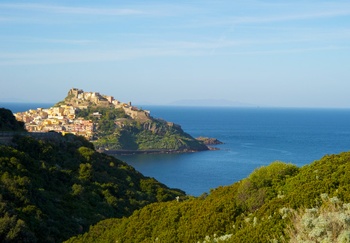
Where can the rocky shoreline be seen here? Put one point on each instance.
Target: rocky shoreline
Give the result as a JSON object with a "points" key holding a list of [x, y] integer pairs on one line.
{"points": [[209, 141]]}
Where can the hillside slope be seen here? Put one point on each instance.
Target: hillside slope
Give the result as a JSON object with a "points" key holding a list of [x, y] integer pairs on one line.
{"points": [[56, 187], [276, 203]]}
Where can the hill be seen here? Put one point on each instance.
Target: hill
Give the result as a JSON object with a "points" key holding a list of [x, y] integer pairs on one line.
{"points": [[110, 124], [276, 203], [8, 122], [56, 187]]}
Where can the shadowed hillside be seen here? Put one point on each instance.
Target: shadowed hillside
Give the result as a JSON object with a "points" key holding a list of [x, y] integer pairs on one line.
{"points": [[8, 122]]}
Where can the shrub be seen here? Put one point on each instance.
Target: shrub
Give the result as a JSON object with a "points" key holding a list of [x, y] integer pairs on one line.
{"points": [[328, 223]]}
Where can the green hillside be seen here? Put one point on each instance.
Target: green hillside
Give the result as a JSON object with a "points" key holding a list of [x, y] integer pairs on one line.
{"points": [[124, 127], [276, 203], [118, 131], [56, 187]]}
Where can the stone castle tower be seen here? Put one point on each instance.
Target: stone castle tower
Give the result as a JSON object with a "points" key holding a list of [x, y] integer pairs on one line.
{"points": [[75, 92]]}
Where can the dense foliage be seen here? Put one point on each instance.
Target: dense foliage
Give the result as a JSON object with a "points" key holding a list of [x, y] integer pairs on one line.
{"points": [[8, 122], [261, 208], [53, 189]]}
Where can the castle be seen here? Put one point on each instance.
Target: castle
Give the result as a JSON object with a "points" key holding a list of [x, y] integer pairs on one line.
{"points": [[82, 99]]}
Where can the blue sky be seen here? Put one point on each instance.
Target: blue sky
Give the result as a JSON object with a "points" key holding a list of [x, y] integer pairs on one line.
{"points": [[267, 53]]}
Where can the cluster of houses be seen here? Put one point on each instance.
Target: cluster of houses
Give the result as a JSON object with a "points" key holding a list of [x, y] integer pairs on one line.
{"points": [[63, 118], [59, 119]]}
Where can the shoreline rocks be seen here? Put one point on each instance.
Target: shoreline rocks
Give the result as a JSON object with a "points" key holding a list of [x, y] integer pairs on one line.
{"points": [[209, 141]]}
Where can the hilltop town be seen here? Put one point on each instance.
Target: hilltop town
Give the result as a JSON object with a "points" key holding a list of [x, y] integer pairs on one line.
{"points": [[110, 124], [63, 116]]}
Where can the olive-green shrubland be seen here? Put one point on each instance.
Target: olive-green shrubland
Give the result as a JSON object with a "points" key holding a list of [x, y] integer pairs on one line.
{"points": [[276, 203], [56, 187]]}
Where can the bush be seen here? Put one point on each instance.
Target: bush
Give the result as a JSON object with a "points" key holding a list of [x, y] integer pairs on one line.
{"points": [[328, 223]]}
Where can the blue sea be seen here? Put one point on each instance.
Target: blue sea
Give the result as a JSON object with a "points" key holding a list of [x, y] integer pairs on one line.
{"points": [[252, 137]]}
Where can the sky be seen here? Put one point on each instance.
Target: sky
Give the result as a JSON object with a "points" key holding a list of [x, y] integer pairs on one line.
{"points": [[265, 53]]}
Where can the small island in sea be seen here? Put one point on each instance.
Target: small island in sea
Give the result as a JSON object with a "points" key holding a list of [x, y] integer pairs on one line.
{"points": [[112, 126]]}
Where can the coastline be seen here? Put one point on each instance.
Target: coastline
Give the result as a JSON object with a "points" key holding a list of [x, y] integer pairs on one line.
{"points": [[149, 151], [153, 151]]}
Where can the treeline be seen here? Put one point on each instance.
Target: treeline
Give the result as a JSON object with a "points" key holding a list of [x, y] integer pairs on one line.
{"points": [[276, 203]]}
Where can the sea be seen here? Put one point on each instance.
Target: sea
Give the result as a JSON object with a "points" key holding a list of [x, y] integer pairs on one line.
{"points": [[252, 137]]}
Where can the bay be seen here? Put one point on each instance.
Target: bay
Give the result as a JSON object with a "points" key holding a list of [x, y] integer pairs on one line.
{"points": [[252, 137]]}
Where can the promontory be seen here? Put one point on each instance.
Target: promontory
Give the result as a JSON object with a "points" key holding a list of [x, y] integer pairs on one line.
{"points": [[111, 125]]}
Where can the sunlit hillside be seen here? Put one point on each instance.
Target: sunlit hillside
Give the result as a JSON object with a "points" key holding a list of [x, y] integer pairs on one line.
{"points": [[276, 203]]}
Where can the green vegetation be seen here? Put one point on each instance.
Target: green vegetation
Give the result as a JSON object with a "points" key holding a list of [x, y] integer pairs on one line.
{"points": [[105, 120], [117, 131], [58, 187], [276, 203], [54, 188], [328, 223]]}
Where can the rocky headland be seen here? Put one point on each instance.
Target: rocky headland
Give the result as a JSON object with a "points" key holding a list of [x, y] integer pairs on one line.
{"points": [[112, 126]]}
